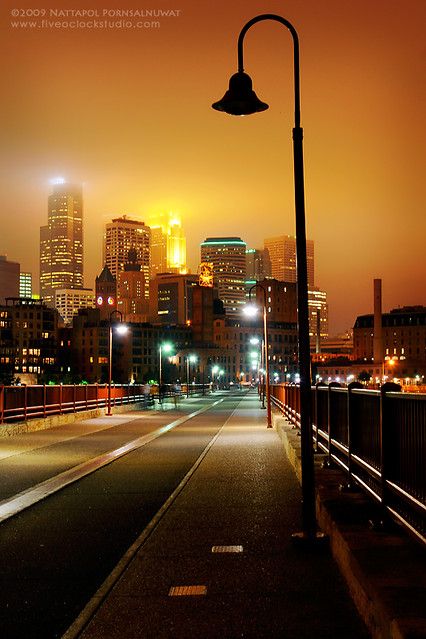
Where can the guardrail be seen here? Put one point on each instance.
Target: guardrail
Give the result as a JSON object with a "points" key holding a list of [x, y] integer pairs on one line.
{"points": [[20, 403], [378, 437]]}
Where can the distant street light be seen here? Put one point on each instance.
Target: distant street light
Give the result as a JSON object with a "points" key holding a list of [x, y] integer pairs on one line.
{"points": [[251, 310], [190, 359], [121, 329], [166, 348], [240, 99]]}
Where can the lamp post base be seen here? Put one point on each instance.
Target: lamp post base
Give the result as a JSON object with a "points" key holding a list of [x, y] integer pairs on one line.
{"points": [[317, 540]]}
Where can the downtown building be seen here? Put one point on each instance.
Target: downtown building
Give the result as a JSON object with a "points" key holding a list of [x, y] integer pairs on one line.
{"points": [[123, 234], [228, 258], [168, 244], [9, 278], [28, 338], [61, 242], [281, 257]]}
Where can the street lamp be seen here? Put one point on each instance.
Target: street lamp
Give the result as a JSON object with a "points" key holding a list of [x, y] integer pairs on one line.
{"points": [[121, 329], [215, 370], [166, 348], [190, 359], [251, 310], [261, 372], [240, 99]]}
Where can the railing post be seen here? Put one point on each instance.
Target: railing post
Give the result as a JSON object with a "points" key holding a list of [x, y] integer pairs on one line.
{"points": [[73, 398], [25, 402], [317, 385], [385, 440], [60, 399], [350, 485], [85, 395], [44, 400], [329, 401], [97, 394], [1, 403]]}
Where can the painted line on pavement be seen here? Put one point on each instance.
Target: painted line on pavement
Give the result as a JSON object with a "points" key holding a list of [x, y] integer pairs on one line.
{"points": [[14, 505]]}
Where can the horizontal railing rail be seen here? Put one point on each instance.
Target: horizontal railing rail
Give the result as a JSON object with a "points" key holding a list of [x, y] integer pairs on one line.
{"points": [[378, 437]]}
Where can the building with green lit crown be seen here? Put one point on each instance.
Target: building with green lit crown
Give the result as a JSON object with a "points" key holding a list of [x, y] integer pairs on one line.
{"points": [[228, 256]]}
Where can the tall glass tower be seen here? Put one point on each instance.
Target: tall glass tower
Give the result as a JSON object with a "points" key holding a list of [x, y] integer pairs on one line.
{"points": [[61, 241]]}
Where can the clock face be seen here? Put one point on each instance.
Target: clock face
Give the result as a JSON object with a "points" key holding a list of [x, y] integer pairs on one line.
{"points": [[100, 300], [111, 301]]}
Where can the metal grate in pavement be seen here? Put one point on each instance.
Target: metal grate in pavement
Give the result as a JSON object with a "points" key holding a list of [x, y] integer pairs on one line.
{"points": [[182, 591], [227, 549]]}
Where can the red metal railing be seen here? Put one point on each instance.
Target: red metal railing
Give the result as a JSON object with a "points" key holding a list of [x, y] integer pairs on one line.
{"points": [[20, 403]]}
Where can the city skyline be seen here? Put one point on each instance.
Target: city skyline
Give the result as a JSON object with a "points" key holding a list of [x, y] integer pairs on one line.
{"points": [[143, 139]]}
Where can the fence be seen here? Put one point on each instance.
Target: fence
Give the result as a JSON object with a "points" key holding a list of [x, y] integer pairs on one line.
{"points": [[378, 437], [18, 403]]}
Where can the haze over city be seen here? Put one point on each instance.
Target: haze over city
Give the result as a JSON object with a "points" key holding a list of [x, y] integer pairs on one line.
{"points": [[127, 113]]}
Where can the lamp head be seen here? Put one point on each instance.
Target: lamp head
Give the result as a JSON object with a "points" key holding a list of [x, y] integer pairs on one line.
{"points": [[121, 329], [240, 99]]}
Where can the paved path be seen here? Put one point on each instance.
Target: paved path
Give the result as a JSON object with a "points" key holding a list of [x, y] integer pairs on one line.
{"points": [[244, 494]]}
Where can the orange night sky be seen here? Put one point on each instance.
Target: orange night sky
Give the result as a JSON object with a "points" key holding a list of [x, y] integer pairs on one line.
{"points": [[127, 113]]}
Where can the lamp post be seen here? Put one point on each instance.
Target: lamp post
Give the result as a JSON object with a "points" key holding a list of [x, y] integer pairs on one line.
{"points": [[190, 359], [240, 99], [166, 347], [215, 370], [121, 329], [251, 309]]}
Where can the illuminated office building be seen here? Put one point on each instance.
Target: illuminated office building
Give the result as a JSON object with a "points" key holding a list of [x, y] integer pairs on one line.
{"points": [[281, 251], [68, 301], [61, 241], [25, 285], [228, 256], [168, 249], [132, 296], [122, 235]]}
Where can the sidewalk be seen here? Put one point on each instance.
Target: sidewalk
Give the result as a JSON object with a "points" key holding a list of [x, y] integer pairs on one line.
{"points": [[243, 501]]}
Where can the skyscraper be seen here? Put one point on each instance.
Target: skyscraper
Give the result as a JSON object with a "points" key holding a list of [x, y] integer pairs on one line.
{"points": [[228, 256], [168, 252], [122, 235], [61, 241], [282, 255]]}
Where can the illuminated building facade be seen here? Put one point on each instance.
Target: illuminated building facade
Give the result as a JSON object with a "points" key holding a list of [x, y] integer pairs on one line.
{"points": [[281, 251], [122, 235], [168, 251], [257, 264], [25, 285], [404, 341], [132, 295], [9, 278], [158, 251], [28, 337], [61, 242], [318, 313], [171, 298], [68, 301], [228, 256]]}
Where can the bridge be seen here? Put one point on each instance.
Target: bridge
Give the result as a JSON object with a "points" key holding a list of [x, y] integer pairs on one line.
{"points": [[175, 520]]}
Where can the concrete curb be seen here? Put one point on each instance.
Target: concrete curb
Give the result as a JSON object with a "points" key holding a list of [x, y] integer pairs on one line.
{"points": [[385, 571]]}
